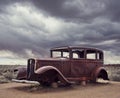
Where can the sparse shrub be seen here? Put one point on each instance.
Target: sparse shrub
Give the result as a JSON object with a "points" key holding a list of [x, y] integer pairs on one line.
{"points": [[3, 79], [113, 72], [118, 72], [8, 75], [116, 78]]}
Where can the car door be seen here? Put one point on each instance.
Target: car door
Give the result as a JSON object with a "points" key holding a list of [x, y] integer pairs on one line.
{"points": [[66, 67], [77, 68]]}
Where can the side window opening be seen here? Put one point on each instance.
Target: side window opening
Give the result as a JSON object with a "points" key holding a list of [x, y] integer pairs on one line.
{"points": [[99, 56], [56, 54], [78, 53], [75, 56], [66, 54], [60, 54], [90, 54]]}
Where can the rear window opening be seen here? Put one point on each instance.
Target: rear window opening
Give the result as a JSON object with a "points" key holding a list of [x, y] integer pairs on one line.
{"points": [[90, 54]]}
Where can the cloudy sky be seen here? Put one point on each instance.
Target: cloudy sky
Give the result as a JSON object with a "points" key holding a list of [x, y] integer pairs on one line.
{"points": [[29, 28]]}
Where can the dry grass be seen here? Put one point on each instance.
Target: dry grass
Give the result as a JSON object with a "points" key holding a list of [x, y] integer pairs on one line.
{"points": [[6, 73], [113, 72]]}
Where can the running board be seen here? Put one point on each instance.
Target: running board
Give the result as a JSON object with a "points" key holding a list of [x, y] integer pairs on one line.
{"points": [[25, 81]]}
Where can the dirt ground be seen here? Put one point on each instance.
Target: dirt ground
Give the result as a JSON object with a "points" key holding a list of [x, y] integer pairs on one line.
{"points": [[99, 90]]}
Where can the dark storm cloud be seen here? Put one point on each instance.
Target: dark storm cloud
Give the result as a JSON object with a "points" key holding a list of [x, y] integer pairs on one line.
{"points": [[80, 10], [104, 36], [74, 10], [55, 7], [113, 10], [6, 2]]}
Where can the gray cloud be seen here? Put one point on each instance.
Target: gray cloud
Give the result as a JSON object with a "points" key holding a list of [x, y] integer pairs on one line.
{"points": [[113, 10], [39, 25], [82, 10]]}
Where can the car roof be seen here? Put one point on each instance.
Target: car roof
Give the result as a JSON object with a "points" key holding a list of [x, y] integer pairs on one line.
{"points": [[75, 47]]}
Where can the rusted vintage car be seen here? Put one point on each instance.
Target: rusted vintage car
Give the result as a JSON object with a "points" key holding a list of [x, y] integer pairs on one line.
{"points": [[66, 65]]}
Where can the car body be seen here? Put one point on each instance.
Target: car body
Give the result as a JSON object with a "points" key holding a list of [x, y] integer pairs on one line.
{"points": [[66, 65]]}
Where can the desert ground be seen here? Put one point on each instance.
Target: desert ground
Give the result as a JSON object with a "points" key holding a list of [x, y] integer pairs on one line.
{"points": [[98, 90]]}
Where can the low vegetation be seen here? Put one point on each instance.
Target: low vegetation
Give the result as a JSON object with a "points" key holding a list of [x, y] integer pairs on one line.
{"points": [[113, 72], [7, 73]]}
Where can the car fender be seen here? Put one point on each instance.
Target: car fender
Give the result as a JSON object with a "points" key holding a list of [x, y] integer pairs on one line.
{"points": [[44, 69], [21, 73], [100, 73]]}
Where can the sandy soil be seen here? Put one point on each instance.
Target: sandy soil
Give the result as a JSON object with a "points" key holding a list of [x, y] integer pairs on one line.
{"points": [[20, 90]]}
